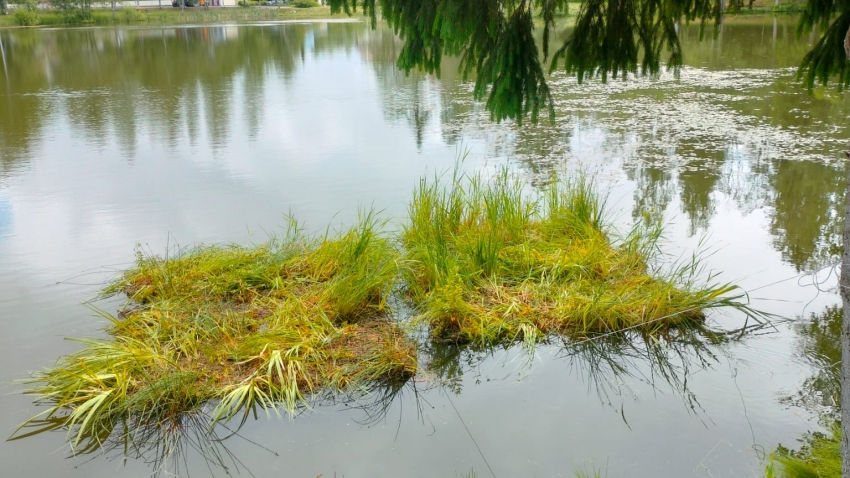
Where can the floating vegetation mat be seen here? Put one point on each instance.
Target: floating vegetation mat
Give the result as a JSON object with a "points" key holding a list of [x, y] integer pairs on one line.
{"points": [[488, 262], [226, 330], [240, 328]]}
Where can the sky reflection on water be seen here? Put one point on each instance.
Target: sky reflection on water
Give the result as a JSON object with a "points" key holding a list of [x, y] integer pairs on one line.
{"points": [[115, 137]]}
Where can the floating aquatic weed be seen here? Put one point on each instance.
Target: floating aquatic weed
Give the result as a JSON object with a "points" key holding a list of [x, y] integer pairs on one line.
{"points": [[487, 263], [668, 121], [244, 328]]}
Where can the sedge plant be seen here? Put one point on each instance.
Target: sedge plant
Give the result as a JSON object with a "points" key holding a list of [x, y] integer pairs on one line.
{"points": [[243, 329], [818, 457], [487, 261]]}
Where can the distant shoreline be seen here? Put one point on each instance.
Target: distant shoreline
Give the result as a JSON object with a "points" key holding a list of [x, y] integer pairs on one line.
{"points": [[129, 14], [168, 15]]}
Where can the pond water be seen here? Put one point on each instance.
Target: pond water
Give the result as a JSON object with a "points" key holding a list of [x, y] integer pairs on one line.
{"points": [[116, 137]]}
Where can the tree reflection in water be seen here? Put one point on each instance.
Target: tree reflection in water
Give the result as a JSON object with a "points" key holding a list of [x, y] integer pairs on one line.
{"points": [[819, 345]]}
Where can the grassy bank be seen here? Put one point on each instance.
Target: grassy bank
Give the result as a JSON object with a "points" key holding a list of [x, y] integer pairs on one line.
{"points": [[488, 263], [772, 6], [169, 15], [244, 328], [818, 457]]}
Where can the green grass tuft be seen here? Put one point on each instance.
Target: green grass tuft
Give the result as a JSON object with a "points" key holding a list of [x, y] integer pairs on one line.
{"points": [[486, 261], [819, 457], [247, 329], [590, 473]]}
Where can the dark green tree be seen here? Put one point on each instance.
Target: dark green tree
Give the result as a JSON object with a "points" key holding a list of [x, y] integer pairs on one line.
{"points": [[611, 39], [495, 43]]}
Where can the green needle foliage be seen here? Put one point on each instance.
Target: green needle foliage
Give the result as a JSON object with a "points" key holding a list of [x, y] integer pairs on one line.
{"points": [[614, 38], [611, 39], [827, 58], [243, 328], [513, 70], [488, 263], [493, 39]]}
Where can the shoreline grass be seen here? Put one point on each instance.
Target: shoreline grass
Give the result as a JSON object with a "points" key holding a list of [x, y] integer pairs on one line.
{"points": [[487, 262], [246, 328], [818, 457]]}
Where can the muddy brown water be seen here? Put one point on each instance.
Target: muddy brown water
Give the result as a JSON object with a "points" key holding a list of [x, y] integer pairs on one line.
{"points": [[113, 137]]}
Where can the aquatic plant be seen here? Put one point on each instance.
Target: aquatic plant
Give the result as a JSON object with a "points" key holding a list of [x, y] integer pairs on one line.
{"points": [[243, 328], [487, 260], [818, 457], [592, 472]]}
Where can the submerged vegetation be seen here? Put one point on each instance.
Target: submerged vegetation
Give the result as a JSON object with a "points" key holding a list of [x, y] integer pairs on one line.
{"points": [[248, 327], [227, 331], [488, 262]]}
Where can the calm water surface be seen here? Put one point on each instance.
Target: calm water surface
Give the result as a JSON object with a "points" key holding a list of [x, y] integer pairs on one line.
{"points": [[113, 138]]}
